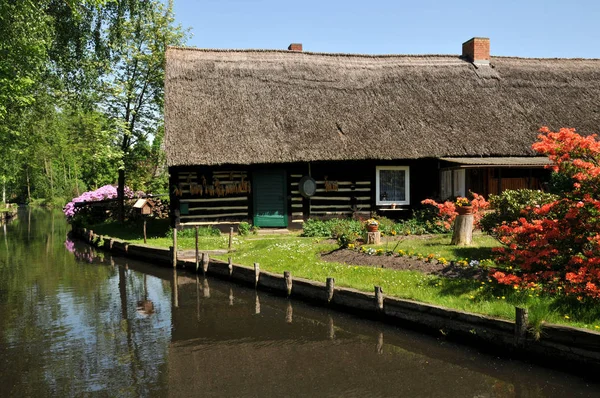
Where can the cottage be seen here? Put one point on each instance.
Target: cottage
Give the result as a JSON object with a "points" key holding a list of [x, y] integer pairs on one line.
{"points": [[275, 137]]}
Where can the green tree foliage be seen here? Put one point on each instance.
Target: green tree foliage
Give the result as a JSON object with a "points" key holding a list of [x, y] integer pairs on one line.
{"points": [[81, 95], [138, 34]]}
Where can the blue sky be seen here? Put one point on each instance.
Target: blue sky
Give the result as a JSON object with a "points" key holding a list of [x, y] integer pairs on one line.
{"points": [[526, 28]]}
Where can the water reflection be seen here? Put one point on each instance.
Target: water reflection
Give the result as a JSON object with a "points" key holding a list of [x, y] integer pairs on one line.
{"points": [[76, 321]]}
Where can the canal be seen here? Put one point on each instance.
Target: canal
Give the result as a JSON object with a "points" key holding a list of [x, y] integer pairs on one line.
{"points": [[75, 321]]}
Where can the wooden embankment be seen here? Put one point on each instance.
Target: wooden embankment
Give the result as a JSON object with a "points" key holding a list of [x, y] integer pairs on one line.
{"points": [[555, 345]]}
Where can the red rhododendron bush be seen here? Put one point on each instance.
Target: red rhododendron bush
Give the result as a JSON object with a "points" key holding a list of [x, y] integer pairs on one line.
{"points": [[558, 249]]}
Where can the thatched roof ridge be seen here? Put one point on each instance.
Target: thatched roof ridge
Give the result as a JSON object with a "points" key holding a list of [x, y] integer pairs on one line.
{"points": [[271, 106], [267, 50]]}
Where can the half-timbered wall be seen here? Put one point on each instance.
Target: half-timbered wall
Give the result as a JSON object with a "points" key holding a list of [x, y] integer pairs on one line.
{"points": [[211, 195], [223, 195]]}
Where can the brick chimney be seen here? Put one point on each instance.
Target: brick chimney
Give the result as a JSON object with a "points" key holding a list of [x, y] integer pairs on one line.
{"points": [[477, 50], [295, 47]]}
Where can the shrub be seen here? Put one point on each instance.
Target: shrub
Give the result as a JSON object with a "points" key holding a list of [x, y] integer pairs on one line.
{"points": [[512, 204], [447, 210], [316, 228], [191, 232], [557, 248], [244, 228], [346, 231], [386, 226]]}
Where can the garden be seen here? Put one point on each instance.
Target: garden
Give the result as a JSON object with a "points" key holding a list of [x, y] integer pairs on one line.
{"points": [[533, 249]]}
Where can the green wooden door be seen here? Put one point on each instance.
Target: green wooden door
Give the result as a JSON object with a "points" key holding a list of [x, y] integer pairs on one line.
{"points": [[269, 191]]}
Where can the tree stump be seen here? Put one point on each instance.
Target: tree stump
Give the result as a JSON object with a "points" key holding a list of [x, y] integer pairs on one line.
{"points": [[373, 238], [463, 230]]}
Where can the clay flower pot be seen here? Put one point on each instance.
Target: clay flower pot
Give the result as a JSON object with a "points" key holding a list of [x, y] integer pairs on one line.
{"points": [[372, 228], [464, 210]]}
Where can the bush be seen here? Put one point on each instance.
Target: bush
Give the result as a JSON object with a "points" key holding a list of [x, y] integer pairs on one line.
{"points": [[346, 231], [447, 210], [556, 247], [316, 229], [510, 205], [244, 228], [386, 226], [191, 232], [413, 226]]}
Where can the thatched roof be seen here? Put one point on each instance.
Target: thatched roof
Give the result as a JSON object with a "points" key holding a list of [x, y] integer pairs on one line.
{"points": [[244, 107]]}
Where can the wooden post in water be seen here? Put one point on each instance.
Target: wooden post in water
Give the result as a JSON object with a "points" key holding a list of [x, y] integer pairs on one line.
{"points": [[331, 328], [330, 286], [144, 230], [256, 304], [289, 313], [521, 323], [174, 247], [197, 254], [230, 238], [256, 274], [288, 282], [379, 297], [205, 288], [205, 261], [230, 265], [175, 289], [380, 343]]}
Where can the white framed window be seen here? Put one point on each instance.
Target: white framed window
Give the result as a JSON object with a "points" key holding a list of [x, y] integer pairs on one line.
{"points": [[458, 182], [392, 185]]}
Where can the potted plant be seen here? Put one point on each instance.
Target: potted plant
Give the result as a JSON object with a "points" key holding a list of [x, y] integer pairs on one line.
{"points": [[372, 225], [463, 206]]}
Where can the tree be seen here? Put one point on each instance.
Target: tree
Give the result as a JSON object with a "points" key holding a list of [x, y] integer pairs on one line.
{"points": [[138, 33], [557, 248]]}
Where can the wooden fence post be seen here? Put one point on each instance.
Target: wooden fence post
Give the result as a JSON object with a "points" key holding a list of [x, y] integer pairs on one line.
{"points": [[521, 324], [205, 261], [230, 238], [379, 297], [288, 282], [145, 230], [330, 286], [230, 265]]}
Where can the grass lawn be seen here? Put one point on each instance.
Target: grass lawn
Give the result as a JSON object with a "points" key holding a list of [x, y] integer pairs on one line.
{"points": [[439, 246], [300, 256]]}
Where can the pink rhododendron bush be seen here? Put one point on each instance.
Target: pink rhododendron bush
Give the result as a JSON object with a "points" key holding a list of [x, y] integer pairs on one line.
{"points": [[96, 213], [556, 247]]}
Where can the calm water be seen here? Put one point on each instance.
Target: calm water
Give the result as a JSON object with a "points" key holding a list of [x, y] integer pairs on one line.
{"points": [[78, 322]]}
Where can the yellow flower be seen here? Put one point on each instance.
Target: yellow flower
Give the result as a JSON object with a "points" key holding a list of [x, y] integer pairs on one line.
{"points": [[503, 298], [566, 317]]}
